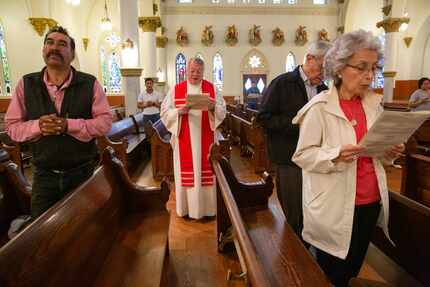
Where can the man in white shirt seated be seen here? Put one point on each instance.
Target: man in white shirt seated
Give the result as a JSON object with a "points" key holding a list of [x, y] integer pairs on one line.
{"points": [[149, 101]]}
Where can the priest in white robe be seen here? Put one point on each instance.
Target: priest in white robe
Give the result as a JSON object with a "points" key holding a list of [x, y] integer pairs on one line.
{"points": [[192, 134]]}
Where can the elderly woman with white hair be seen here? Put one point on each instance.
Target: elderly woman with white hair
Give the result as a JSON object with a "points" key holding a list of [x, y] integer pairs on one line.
{"points": [[344, 193]]}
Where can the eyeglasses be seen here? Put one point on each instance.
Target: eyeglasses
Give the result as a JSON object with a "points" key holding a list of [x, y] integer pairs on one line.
{"points": [[362, 69]]}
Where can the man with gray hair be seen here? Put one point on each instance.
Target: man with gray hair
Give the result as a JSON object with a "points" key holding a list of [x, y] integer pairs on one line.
{"points": [[192, 134], [284, 97]]}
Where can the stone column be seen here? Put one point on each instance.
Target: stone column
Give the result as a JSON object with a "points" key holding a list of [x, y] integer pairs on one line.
{"points": [[161, 62], [130, 70], [149, 57], [391, 27]]}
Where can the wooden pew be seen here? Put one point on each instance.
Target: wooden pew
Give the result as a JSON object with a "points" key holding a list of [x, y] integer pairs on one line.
{"points": [[108, 232], [409, 226], [131, 147], [269, 252], [161, 150], [118, 113], [252, 141], [416, 178], [15, 194]]}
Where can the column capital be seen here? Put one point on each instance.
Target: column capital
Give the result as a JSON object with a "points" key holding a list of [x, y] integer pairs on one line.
{"points": [[149, 24], [389, 74], [162, 41], [391, 25], [39, 24], [131, 72]]}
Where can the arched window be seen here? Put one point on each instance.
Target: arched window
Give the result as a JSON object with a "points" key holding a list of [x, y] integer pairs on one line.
{"points": [[290, 63], [181, 68], [218, 73], [5, 84], [378, 78], [110, 64]]}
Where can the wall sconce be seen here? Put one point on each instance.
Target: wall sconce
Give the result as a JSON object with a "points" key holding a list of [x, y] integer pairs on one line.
{"points": [[160, 76], [129, 54]]}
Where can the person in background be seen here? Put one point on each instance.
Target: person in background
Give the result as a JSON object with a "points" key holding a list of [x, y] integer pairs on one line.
{"points": [[283, 98], [149, 101], [344, 192], [252, 95], [192, 135], [60, 112], [420, 99]]}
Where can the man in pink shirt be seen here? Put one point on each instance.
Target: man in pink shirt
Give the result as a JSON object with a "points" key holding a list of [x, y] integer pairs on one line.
{"points": [[60, 112]]}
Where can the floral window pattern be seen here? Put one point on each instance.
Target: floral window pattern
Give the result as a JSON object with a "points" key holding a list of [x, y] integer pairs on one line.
{"points": [[114, 74], [378, 79], [290, 64], [105, 81], [4, 65], [218, 73], [181, 68]]}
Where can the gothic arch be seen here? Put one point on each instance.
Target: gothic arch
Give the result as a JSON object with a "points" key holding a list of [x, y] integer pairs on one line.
{"points": [[246, 66]]}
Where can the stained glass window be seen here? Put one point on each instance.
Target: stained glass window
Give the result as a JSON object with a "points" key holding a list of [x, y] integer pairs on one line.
{"points": [[185, 1], [290, 64], [114, 74], [378, 80], [276, 1], [319, 2], [113, 40], [181, 68], [218, 73], [105, 81], [292, 2], [4, 64]]}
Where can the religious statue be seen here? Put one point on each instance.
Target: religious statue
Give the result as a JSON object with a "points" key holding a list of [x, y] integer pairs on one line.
{"points": [[231, 35], [254, 35], [207, 36], [181, 37], [277, 37], [301, 36], [323, 35]]}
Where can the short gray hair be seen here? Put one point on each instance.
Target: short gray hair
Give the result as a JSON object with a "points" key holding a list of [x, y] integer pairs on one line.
{"points": [[318, 48], [345, 47], [196, 60]]}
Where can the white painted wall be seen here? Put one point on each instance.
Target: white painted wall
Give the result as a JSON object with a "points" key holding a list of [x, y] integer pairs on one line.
{"points": [[232, 56]]}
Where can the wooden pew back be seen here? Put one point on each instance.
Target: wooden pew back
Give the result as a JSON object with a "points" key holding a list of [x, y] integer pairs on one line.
{"points": [[416, 178], [269, 252], [409, 227], [68, 244]]}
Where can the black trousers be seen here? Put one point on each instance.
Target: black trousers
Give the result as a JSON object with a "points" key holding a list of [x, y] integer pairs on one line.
{"points": [[339, 271], [289, 191]]}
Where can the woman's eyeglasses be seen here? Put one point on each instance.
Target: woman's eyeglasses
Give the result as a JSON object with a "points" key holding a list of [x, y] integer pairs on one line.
{"points": [[365, 68]]}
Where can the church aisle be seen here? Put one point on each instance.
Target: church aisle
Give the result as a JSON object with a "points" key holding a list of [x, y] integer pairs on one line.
{"points": [[193, 260]]}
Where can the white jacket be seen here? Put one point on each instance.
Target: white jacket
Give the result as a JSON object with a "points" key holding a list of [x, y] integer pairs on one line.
{"points": [[329, 188]]}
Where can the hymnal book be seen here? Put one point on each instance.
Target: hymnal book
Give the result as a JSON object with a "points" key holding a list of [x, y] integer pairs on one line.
{"points": [[391, 128], [198, 101]]}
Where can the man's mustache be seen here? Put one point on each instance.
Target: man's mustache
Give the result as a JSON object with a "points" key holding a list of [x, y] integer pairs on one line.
{"points": [[56, 53]]}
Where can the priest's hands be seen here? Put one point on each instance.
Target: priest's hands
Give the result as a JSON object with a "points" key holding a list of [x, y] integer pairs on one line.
{"points": [[52, 125], [184, 110], [394, 152]]}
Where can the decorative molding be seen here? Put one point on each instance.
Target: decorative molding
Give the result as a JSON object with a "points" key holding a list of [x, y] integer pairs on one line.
{"points": [[389, 74], [231, 35], [154, 9], [407, 41], [182, 37], [85, 43], [254, 37], [207, 38], [341, 29], [386, 10], [323, 35], [40, 24], [278, 37], [149, 24], [392, 25], [249, 10], [161, 41], [131, 72], [301, 36]]}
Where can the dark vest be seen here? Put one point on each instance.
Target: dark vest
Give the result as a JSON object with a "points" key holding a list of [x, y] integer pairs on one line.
{"points": [[60, 152]]}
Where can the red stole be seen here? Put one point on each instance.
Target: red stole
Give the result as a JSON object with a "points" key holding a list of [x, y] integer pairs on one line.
{"points": [[185, 147]]}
